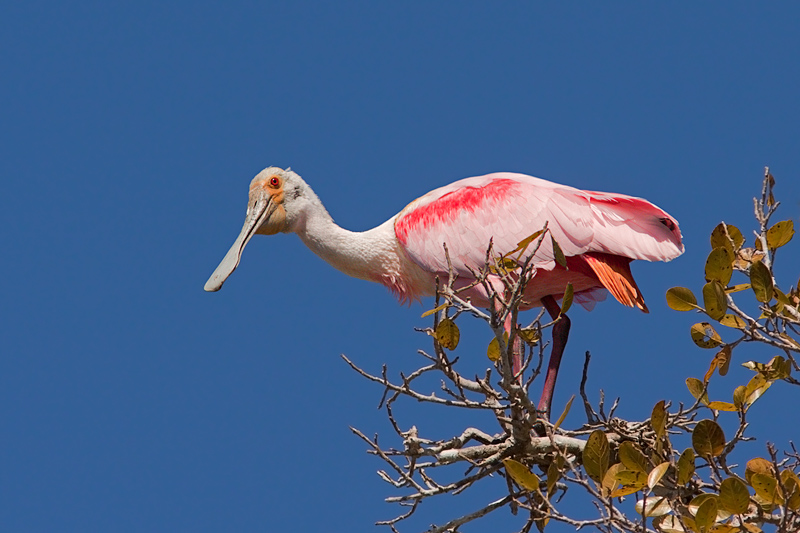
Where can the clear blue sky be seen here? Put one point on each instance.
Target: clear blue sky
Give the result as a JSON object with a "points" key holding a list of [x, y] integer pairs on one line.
{"points": [[131, 400]]}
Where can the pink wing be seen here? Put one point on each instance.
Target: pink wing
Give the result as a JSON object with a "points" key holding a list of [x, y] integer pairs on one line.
{"points": [[508, 207]]}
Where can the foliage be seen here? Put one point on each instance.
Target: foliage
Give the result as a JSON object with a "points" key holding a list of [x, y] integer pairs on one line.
{"points": [[676, 490]]}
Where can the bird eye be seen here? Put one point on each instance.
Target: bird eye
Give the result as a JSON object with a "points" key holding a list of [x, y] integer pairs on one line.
{"points": [[274, 181]]}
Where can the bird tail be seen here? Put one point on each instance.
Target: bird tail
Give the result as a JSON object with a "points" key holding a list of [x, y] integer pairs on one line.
{"points": [[614, 272]]}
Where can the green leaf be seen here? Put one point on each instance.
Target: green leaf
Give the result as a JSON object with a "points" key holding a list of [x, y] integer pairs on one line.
{"points": [[705, 336], [714, 300], [632, 458], [596, 455], [447, 334], [719, 265], [685, 466], [780, 234], [658, 418], [761, 281], [566, 302], [557, 253], [708, 440], [681, 299], [734, 496], [521, 475]]}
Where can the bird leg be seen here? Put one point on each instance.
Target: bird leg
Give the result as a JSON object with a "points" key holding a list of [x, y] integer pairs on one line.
{"points": [[560, 336]]}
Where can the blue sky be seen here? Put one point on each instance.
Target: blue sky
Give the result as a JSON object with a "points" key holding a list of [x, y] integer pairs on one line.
{"points": [[131, 400]]}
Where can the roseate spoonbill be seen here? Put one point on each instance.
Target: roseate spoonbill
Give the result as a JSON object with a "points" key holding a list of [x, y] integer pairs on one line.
{"points": [[599, 233]]}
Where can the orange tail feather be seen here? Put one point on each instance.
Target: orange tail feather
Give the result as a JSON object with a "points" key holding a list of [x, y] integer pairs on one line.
{"points": [[614, 272]]}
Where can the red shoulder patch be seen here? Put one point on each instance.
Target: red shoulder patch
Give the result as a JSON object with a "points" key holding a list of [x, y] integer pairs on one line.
{"points": [[445, 208]]}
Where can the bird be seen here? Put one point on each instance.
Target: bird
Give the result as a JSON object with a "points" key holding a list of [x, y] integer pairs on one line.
{"points": [[598, 233]]}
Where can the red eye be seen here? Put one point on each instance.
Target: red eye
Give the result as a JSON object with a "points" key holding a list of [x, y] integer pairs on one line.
{"points": [[274, 181]]}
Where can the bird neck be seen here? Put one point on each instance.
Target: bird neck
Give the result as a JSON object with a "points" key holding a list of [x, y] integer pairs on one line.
{"points": [[366, 255]]}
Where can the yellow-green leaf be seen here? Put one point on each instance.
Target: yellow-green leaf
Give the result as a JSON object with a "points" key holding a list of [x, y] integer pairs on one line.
{"points": [[737, 288], [681, 299], [739, 397], [719, 265], [705, 336], [447, 334], [656, 474], [671, 524], [564, 414], [521, 475], [725, 528], [625, 490], [761, 282], [610, 478], [732, 321], [766, 487], [493, 351], [524, 243], [714, 299], [708, 440], [596, 455], [566, 301], [553, 475], [697, 389], [734, 496], [435, 310], [658, 418], [720, 239], [685, 466], [722, 406], [529, 335], [755, 388], [752, 528], [505, 265], [706, 515], [780, 234], [558, 254], [791, 486], [758, 465], [655, 507], [632, 458]]}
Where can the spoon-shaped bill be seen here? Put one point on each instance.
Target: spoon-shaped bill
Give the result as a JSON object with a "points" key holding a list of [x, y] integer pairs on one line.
{"points": [[256, 214]]}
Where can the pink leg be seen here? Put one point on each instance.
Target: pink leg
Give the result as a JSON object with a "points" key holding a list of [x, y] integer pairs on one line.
{"points": [[560, 336]]}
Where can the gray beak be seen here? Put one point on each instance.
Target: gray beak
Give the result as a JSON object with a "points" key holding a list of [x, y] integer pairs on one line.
{"points": [[257, 212]]}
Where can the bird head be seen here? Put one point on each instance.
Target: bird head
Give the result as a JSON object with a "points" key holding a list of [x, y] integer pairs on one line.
{"points": [[273, 193]]}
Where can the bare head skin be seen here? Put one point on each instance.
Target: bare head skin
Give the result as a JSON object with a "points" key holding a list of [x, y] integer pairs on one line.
{"points": [[266, 215]]}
